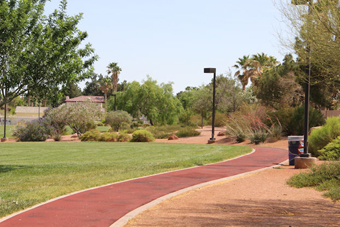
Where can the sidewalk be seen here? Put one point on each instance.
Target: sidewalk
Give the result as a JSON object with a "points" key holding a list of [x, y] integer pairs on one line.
{"points": [[105, 205]]}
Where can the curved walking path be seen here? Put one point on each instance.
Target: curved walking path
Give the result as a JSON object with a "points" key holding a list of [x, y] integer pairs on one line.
{"points": [[105, 205]]}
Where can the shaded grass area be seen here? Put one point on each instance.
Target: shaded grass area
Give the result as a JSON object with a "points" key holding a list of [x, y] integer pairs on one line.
{"points": [[324, 177], [32, 173], [9, 131]]}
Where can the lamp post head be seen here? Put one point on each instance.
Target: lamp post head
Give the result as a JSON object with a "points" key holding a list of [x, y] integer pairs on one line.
{"points": [[209, 70]]}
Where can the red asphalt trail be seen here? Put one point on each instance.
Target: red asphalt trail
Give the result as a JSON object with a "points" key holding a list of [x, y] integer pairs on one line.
{"points": [[104, 206]]}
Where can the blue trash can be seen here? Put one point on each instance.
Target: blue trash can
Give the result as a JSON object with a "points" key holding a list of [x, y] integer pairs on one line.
{"points": [[296, 146]]}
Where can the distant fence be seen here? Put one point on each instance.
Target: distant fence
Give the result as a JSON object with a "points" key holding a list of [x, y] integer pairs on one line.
{"points": [[330, 113]]}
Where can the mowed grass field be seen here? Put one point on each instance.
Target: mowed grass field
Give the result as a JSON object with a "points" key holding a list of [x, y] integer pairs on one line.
{"points": [[31, 173]]}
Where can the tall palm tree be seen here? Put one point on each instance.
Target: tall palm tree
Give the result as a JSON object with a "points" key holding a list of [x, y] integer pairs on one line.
{"points": [[106, 85], [242, 66], [114, 70]]}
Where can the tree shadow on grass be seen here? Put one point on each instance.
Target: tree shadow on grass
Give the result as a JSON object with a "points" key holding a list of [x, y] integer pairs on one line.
{"points": [[8, 168]]}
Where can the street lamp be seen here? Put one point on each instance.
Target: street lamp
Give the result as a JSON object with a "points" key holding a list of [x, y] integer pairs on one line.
{"points": [[307, 85], [5, 119], [212, 70]]}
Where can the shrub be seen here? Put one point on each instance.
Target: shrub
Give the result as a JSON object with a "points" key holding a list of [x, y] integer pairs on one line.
{"points": [[331, 151], [220, 119], [187, 132], [109, 137], [198, 121], [117, 118], [236, 131], [295, 126], [258, 136], [320, 137], [92, 135], [81, 117], [142, 136], [56, 119], [284, 116], [35, 130], [324, 177], [163, 132], [123, 137]]}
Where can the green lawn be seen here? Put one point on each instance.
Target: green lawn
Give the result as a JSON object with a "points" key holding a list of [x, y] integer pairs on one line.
{"points": [[9, 131], [31, 173]]}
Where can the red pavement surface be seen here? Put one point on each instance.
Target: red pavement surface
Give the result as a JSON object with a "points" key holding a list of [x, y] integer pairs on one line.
{"points": [[104, 206]]}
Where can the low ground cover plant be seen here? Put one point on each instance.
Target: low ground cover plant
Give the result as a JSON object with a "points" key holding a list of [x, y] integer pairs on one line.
{"points": [[187, 132], [142, 136], [324, 177], [109, 137], [164, 131], [92, 135]]}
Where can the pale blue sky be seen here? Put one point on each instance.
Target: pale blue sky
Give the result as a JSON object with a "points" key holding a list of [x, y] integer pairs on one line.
{"points": [[173, 40]]}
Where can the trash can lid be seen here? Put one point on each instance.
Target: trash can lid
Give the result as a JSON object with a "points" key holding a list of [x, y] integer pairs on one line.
{"points": [[295, 138]]}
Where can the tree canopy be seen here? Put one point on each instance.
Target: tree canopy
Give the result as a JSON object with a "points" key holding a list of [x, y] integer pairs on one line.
{"points": [[40, 53]]}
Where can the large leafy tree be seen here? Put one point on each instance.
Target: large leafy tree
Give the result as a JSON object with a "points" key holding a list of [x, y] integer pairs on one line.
{"points": [[316, 32], [154, 101], [252, 68], [38, 53], [114, 70]]}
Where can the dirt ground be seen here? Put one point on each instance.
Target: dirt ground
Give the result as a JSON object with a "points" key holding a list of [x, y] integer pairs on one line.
{"points": [[260, 199]]}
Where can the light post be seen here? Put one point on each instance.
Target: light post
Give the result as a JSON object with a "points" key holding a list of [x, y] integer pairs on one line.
{"points": [[308, 72], [212, 70], [5, 119]]}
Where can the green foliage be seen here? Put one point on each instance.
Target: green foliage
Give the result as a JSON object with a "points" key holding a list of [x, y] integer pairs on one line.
{"points": [[156, 102], [236, 131], [320, 137], [81, 117], [284, 116], [142, 136], [258, 136], [109, 137], [198, 121], [278, 85], [117, 119], [92, 135], [324, 177], [331, 151], [185, 116], [124, 137], [56, 119], [220, 119], [295, 126], [163, 132], [187, 132], [40, 54], [35, 130]]}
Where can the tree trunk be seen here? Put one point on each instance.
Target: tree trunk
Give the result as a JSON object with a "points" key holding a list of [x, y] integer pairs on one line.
{"points": [[105, 98], [202, 120], [151, 122]]}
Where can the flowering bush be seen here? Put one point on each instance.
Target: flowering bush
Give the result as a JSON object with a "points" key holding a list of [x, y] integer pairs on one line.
{"points": [[56, 118], [118, 119], [36, 130]]}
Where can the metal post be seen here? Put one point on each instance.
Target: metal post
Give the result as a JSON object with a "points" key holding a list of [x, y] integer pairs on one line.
{"points": [[307, 90], [213, 116], [5, 119], [212, 70]]}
